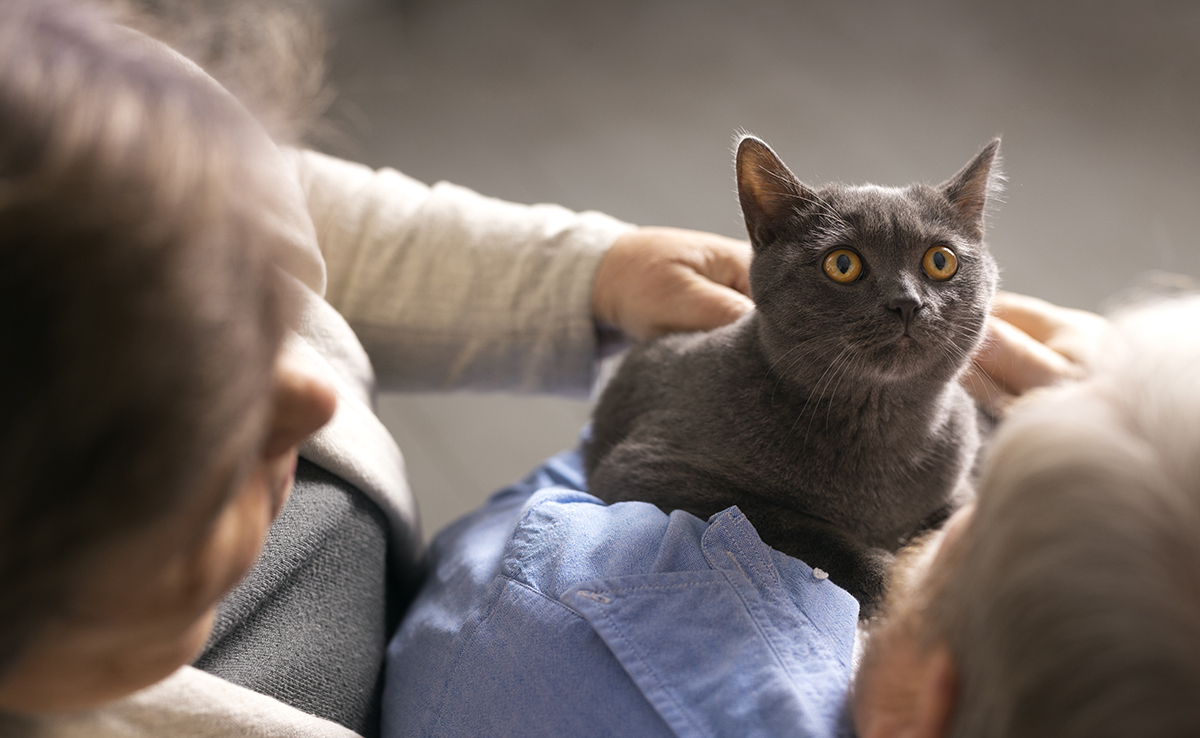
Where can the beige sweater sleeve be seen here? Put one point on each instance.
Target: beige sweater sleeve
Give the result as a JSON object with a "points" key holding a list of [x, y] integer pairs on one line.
{"points": [[187, 704], [449, 289]]}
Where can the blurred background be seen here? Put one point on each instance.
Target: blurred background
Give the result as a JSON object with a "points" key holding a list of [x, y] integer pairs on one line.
{"points": [[630, 107]]}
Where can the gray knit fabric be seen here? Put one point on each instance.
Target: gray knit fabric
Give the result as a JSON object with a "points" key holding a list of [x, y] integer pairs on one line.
{"points": [[309, 624]]}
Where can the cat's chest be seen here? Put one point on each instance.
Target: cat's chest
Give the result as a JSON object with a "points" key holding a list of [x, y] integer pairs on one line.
{"points": [[810, 443], [896, 462], [721, 405]]}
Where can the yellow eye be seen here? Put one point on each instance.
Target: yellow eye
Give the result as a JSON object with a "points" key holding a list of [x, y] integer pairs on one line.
{"points": [[940, 263], [843, 266]]}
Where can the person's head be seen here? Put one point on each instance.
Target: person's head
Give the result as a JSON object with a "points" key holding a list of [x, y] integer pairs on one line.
{"points": [[1067, 601], [148, 419]]}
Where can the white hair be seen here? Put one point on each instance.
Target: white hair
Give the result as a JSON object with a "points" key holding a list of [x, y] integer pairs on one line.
{"points": [[1075, 606]]}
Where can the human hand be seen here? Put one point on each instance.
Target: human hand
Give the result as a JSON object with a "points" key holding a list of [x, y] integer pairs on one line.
{"points": [[1030, 343], [657, 280]]}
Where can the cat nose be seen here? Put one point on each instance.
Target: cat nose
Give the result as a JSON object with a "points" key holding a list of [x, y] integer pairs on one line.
{"points": [[906, 306]]}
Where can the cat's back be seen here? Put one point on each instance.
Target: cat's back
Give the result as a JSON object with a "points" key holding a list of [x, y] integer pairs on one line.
{"points": [[663, 375]]}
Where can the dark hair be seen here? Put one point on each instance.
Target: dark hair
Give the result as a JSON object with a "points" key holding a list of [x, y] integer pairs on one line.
{"points": [[139, 310]]}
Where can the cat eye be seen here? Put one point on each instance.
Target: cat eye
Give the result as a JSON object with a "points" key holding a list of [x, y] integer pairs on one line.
{"points": [[940, 263], [843, 266]]}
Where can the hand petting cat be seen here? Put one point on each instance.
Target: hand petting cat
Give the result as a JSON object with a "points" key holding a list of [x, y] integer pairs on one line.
{"points": [[1030, 343], [659, 280]]}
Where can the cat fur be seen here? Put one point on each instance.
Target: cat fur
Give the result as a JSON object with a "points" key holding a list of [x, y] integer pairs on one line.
{"points": [[832, 414]]}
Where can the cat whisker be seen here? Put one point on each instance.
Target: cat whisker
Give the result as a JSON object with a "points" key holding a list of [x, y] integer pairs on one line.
{"points": [[829, 406], [964, 331], [842, 368], [995, 393], [992, 391], [816, 392], [830, 210], [954, 353], [778, 377], [821, 379], [825, 208], [814, 199]]}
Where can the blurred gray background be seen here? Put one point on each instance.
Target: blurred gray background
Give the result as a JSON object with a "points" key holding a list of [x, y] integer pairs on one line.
{"points": [[630, 108]]}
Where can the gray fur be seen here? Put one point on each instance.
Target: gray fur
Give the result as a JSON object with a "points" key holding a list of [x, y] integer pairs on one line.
{"points": [[837, 436]]}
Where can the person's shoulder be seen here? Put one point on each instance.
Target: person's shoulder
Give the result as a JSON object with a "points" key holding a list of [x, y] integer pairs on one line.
{"points": [[565, 536], [189, 702], [546, 580]]}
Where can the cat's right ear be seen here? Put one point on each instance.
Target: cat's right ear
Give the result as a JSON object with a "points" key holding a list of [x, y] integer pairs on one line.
{"points": [[970, 191], [770, 194]]}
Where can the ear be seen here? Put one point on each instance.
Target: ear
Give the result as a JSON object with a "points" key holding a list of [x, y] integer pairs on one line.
{"points": [[915, 697], [937, 696], [969, 190], [770, 194]]}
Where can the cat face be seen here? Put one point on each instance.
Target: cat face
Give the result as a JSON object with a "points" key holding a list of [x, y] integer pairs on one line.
{"points": [[882, 284]]}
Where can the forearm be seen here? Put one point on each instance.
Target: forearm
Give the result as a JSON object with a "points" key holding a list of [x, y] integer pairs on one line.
{"points": [[447, 288]]}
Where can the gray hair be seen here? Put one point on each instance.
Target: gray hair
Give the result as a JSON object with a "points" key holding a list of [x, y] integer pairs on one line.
{"points": [[1074, 608]]}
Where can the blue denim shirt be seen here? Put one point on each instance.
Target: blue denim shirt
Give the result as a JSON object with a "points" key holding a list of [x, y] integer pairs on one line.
{"points": [[547, 612]]}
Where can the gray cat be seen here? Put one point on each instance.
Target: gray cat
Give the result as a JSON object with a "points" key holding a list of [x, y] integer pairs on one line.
{"points": [[831, 415]]}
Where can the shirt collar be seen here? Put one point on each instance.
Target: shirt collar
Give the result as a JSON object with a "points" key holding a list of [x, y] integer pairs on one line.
{"points": [[742, 648]]}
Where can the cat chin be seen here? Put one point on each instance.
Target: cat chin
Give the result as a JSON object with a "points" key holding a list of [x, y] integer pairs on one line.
{"points": [[903, 360]]}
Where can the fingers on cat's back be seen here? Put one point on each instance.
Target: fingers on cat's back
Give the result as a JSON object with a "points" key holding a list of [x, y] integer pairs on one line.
{"points": [[1018, 362], [1074, 334], [1036, 317]]}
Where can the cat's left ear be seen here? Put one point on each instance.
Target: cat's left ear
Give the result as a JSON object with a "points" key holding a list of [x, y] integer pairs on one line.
{"points": [[970, 189]]}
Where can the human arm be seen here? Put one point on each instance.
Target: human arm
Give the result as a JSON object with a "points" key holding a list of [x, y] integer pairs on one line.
{"points": [[1030, 343], [447, 288]]}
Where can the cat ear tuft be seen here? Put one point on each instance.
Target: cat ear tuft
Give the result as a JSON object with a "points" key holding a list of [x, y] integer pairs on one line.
{"points": [[970, 191], [770, 194]]}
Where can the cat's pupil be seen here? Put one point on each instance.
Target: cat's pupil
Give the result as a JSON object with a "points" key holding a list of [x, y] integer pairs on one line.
{"points": [[843, 263], [939, 261]]}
